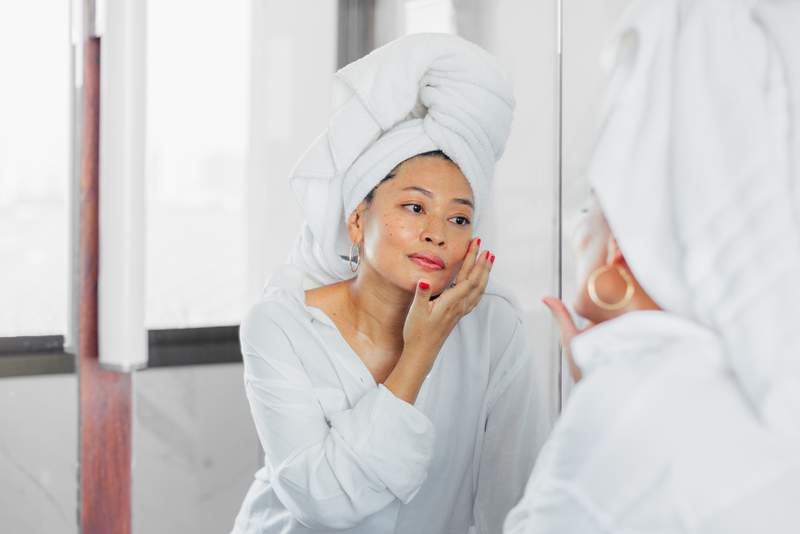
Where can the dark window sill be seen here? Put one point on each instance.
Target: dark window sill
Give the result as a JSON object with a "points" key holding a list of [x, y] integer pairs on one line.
{"points": [[193, 346], [45, 355]]}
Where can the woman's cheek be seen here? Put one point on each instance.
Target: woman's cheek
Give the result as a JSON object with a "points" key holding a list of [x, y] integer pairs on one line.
{"points": [[400, 233], [457, 260], [387, 239]]}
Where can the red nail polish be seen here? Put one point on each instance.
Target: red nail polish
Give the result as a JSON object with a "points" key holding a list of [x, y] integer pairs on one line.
{"points": [[492, 258], [424, 285], [487, 254], [478, 242]]}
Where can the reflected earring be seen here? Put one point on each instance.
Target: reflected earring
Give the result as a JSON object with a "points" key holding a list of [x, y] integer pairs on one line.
{"points": [[354, 258], [612, 306]]}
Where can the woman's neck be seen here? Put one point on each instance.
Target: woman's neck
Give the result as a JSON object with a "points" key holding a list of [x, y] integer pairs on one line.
{"points": [[377, 308]]}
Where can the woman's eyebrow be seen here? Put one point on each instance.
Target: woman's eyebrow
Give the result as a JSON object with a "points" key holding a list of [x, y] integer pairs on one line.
{"points": [[427, 193]]}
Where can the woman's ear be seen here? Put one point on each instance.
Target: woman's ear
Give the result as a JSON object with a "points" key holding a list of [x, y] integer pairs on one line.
{"points": [[355, 223]]}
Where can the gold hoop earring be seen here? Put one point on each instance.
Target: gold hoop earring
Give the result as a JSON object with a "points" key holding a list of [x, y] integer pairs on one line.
{"points": [[611, 306], [353, 258]]}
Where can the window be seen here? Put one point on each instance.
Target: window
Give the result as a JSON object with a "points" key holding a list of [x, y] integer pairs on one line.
{"points": [[35, 101], [196, 161]]}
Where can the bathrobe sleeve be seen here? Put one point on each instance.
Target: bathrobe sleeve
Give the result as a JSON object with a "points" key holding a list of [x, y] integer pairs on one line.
{"points": [[334, 472], [554, 503], [508, 451], [550, 506]]}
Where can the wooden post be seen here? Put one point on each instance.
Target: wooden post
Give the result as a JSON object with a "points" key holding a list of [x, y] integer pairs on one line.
{"points": [[105, 396]]}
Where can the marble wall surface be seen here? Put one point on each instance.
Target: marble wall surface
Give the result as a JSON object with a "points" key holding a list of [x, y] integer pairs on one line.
{"points": [[195, 449], [39, 454]]}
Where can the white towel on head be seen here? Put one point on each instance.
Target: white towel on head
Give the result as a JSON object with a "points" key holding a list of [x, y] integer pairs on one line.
{"points": [[698, 172], [420, 93]]}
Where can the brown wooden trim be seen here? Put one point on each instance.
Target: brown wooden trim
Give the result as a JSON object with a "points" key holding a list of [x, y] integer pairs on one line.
{"points": [[105, 396]]}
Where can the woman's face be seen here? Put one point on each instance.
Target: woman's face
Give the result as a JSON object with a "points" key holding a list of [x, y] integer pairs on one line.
{"points": [[419, 224]]}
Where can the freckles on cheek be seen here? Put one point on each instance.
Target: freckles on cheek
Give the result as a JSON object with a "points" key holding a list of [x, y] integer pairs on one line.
{"points": [[390, 236], [397, 229]]}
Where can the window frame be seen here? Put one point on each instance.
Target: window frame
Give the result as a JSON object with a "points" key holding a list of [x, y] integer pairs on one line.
{"points": [[170, 347]]}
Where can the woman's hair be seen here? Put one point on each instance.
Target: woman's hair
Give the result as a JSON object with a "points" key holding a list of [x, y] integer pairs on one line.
{"points": [[393, 172]]}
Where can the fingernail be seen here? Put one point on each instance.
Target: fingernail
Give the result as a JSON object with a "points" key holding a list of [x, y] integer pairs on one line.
{"points": [[424, 285], [492, 258], [478, 242], [487, 254]]}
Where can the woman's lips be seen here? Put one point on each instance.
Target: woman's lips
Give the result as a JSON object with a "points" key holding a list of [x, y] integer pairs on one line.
{"points": [[426, 264]]}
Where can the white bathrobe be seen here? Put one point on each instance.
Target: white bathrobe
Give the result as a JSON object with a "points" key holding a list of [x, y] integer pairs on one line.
{"points": [[658, 438], [343, 454], [688, 420]]}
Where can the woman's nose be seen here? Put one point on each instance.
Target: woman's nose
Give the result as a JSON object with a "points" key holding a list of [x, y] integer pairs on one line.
{"points": [[434, 233]]}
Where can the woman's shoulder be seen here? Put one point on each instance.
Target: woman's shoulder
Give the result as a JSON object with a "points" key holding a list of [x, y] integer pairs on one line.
{"points": [[277, 314]]}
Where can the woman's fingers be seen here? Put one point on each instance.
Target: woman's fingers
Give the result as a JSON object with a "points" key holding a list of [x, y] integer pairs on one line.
{"points": [[422, 298], [482, 275], [562, 315], [568, 331], [420, 308], [469, 260], [466, 294]]}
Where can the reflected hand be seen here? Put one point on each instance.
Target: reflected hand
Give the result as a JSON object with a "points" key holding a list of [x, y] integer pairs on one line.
{"points": [[568, 331]]}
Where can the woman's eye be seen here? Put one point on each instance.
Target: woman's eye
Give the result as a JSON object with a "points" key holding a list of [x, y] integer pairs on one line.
{"points": [[459, 220], [416, 208]]}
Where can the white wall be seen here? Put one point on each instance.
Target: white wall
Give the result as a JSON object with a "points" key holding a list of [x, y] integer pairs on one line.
{"points": [[587, 27], [293, 59], [522, 227]]}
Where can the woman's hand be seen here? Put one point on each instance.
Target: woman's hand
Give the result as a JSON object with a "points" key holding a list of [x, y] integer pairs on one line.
{"points": [[429, 322], [568, 331]]}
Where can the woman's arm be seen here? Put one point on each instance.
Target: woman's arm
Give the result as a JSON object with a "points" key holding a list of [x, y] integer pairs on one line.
{"points": [[329, 473]]}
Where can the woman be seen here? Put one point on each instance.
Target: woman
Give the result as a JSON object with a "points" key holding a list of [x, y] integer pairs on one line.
{"points": [[687, 414], [388, 385]]}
